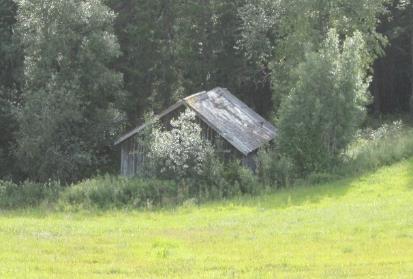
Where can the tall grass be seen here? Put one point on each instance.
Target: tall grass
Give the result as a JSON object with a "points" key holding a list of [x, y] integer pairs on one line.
{"points": [[372, 149], [28, 194], [106, 192]]}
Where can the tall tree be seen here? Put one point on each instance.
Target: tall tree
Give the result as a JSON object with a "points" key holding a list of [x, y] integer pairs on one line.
{"points": [[175, 48], [326, 105], [391, 87], [67, 118], [10, 69], [9, 50], [287, 29], [411, 53], [208, 53], [145, 29]]}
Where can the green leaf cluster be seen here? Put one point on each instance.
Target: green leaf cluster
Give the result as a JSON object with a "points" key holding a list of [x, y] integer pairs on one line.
{"points": [[68, 117], [326, 105]]}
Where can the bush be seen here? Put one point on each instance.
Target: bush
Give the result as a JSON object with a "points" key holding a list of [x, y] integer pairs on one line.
{"points": [[238, 179], [181, 152], [224, 180], [371, 149], [106, 192], [274, 169], [28, 194], [324, 109], [219, 180]]}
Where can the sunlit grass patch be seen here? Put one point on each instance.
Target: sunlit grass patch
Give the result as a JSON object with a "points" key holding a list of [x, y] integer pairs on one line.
{"points": [[360, 226]]}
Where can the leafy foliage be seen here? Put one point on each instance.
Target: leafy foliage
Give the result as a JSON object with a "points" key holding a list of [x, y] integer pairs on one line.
{"points": [[10, 70], [277, 34], [28, 194], [274, 169], [180, 152], [325, 108], [67, 121], [8, 128], [10, 50], [371, 149], [110, 192], [176, 48], [94, 67]]}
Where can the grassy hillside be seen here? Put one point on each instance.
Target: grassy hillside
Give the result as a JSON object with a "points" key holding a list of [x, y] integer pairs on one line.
{"points": [[353, 227]]}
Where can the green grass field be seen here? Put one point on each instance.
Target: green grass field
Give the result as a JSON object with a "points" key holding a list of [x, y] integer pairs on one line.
{"points": [[355, 227]]}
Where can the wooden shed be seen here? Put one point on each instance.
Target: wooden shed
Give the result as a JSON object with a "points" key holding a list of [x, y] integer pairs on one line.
{"points": [[239, 130]]}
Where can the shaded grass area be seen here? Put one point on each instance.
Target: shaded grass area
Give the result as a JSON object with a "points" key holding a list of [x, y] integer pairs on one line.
{"points": [[353, 227]]}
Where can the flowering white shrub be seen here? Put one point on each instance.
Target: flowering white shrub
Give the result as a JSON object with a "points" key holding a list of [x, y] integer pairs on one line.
{"points": [[180, 152]]}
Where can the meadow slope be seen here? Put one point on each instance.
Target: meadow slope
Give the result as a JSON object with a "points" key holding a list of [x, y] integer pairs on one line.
{"points": [[354, 227]]}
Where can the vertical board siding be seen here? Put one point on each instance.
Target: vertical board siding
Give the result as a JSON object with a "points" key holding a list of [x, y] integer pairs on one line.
{"points": [[132, 157]]}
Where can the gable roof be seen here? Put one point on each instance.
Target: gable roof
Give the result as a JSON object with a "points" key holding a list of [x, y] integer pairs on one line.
{"points": [[233, 120]]}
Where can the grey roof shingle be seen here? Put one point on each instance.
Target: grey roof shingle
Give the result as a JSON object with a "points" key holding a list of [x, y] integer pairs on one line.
{"points": [[228, 116]]}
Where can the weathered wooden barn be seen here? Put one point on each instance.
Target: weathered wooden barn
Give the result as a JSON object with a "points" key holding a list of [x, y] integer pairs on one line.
{"points": [[239, 130]]}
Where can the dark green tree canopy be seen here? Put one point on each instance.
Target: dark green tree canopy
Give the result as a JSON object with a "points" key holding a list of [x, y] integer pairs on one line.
{"points": [[75, 73], [68, 114], [10, 83]]}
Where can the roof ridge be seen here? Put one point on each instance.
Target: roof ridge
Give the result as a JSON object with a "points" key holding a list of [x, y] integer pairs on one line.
{"points": [[247, 133], [195, 95]]}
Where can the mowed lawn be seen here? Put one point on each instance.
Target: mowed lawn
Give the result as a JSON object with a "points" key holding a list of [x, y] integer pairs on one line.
{"points": [[355, 227]]}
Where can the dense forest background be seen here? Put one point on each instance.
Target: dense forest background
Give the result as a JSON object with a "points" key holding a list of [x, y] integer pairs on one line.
{"points": [[74, 74]]}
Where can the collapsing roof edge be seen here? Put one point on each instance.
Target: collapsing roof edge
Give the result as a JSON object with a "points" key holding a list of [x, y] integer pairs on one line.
{"points": [[238, 124], [141, 127]]}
